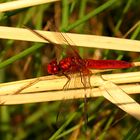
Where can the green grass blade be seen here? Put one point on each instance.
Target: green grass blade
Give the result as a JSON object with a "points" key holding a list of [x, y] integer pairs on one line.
{"points": [[91, 14]]}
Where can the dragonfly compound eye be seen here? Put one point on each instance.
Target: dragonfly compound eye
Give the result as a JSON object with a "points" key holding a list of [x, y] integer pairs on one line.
{"points": [[52, 67]]}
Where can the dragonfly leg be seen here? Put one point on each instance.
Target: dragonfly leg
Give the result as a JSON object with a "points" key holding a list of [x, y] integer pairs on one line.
{"points": [[89, 81], [68, 80], [83, 81], [85, 78]]}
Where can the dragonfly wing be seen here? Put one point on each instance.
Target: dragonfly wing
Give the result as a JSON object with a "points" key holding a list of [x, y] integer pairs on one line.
{"points": [[58, 49], [73, 48], [85, 77]]}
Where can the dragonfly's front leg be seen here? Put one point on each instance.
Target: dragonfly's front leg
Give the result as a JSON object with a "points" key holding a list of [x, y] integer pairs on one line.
{"points": [[83, 80], [68, 80]]}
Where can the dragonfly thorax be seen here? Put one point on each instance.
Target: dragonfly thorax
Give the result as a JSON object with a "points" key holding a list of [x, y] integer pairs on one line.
{"points": [[65, 64], [71, 64]]}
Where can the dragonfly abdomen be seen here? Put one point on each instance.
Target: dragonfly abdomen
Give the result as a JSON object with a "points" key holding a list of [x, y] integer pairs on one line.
{"points": [[107, 64]]}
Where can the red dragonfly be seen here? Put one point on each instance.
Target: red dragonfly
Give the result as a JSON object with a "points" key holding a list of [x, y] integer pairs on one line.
{"points": [[76, 64]]}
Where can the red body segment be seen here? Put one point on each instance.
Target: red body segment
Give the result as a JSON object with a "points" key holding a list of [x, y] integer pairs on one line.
{"points": [[71, 64], [107, 64]]}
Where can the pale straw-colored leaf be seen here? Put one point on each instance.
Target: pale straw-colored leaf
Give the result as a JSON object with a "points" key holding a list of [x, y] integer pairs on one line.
{"points": [[54, 83], [92, 41], [120, 98], [44, 96], [14, 5]]}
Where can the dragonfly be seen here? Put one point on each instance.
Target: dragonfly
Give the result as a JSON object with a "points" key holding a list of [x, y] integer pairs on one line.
{"points": [[76, 64]]}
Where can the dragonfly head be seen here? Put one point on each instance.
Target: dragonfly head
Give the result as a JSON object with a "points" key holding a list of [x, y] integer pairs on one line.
{"points": [[53, 67]]}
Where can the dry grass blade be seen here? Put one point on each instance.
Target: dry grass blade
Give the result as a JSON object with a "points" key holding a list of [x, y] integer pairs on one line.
{"points": [[61, 95], [92, 41], [131, 29], [14, 5], [119, 97], [54, 83]]}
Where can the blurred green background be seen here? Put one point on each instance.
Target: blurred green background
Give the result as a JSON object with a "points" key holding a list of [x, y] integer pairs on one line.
{"points": [[22, 60]]}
